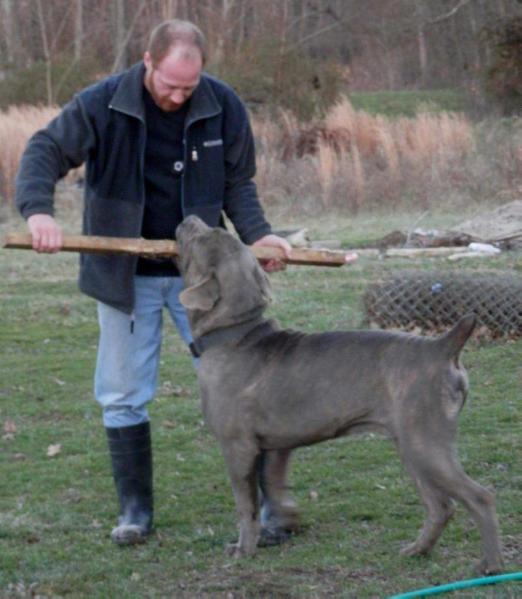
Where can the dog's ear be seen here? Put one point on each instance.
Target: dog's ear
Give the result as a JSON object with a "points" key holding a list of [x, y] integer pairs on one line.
{"points": [[201, 296], [263, 282]]}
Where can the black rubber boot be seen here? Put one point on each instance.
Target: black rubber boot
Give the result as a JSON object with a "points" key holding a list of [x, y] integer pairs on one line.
{"points": [[131, 456]]}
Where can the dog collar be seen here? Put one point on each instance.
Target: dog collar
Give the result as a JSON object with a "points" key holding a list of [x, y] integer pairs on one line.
{"points": [[224, 335]]}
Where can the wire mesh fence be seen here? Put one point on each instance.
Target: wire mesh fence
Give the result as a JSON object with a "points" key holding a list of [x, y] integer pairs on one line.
{"points": [[432, 301]]}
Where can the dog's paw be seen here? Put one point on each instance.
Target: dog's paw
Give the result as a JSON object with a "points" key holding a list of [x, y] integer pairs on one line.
{"points": [[489, 567], [233, 550], [414, 549], [236, 551]]}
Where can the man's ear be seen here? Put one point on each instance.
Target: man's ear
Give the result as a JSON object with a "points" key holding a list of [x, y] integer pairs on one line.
{"points": [[201, 296]]}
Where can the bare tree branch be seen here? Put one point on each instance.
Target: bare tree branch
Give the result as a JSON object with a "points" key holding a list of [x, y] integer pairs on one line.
{"points": [[313, 35], [78, 30], [450, 13], [58, 31], [127, 37], [46, 52]]}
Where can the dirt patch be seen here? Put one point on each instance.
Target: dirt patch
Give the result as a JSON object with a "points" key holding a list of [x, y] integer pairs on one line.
{"points": [[501, 224], [288, 583]]}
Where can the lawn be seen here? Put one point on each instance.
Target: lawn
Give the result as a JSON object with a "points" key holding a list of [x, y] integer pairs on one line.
{"points": [[409, 103], [358, 505]]}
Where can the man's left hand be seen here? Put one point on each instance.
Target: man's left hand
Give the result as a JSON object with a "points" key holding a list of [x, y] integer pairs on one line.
{"points": [[271, 240]]}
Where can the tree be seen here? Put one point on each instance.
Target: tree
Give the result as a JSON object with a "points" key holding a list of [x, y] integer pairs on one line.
{"points": [[78, 30], [503, 78], [46, 52]]}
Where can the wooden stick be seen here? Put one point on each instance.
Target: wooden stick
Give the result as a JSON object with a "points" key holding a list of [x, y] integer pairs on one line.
{"points": [[164, 248]]}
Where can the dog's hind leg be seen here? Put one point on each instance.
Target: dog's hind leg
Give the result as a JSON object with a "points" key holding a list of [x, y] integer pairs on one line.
{"points": [[439, 508], [480, 502], [279, 514], [242, 469], [441, 472]]}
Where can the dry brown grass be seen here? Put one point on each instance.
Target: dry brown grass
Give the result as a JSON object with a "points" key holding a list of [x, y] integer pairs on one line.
{"points": [[327, 166], [17, 125], [350, 159]]}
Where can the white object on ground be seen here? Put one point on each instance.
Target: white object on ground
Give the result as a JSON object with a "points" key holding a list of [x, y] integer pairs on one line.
{"points": [[477, 250]]}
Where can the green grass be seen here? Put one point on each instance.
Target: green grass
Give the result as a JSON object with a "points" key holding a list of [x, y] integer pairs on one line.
{"points": [[408, 103], [358, 505]]}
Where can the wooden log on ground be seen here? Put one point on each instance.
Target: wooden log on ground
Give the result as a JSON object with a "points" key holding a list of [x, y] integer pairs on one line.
{"points": [[435, 252]]}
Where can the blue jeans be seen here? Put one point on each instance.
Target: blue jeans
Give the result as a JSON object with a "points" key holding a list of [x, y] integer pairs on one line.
{"points": [[129, 349]]}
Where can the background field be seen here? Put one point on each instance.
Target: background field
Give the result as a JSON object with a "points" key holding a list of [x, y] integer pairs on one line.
{"points": [[358, 505]]}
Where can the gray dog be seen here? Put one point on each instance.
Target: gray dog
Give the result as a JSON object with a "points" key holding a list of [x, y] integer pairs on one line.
{"points": [[266, 391]]}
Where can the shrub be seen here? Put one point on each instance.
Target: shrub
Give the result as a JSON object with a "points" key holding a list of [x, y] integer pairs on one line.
{"points": [[503, 78], [28, 86], [270, 77]]}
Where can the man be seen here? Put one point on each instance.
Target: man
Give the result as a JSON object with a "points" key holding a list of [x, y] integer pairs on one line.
{"points": [[160, 141]]}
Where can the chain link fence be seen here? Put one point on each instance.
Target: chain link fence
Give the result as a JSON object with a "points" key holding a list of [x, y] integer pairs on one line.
{"points": [[433, 301]]}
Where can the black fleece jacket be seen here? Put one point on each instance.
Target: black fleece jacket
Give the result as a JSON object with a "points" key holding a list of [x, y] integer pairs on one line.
{"points": [[104, 127]]}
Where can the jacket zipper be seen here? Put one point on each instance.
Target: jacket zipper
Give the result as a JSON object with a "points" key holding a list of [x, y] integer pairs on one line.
{"points": [[193, 154], [142, 169]]}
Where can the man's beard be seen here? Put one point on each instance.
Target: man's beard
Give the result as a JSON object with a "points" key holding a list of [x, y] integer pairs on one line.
{"points": [[164, 103]]}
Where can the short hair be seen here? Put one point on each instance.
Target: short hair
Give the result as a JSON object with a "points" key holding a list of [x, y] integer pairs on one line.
{"points": [[172, 33]]}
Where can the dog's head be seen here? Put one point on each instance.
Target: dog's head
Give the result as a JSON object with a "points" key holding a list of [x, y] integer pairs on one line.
{"points": [[224, 283]]}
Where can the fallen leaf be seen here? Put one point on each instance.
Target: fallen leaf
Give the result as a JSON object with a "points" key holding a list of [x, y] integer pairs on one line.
{"points": [[32, 538], [179, 391], [59, 382], [71, 496], [10, 427], [53, 450]]}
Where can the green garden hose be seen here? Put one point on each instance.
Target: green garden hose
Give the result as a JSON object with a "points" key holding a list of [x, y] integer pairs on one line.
{"points": [[462, 584]]}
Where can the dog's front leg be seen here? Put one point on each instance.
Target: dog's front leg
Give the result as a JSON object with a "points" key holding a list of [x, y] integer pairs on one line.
{"points": [[241, 463], [279, 514]]}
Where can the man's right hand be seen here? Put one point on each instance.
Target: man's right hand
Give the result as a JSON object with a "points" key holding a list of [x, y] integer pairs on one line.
{"points": [[47, 234]]}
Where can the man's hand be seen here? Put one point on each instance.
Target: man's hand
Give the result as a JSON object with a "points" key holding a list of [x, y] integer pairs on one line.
{"points": [[47, 234], [278, 242]]}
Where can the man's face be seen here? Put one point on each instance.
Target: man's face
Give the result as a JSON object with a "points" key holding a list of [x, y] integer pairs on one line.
{"points": [[173, 80]]}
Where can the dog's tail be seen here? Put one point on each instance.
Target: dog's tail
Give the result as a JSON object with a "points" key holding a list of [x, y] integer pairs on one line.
{"points": [[453, 341]]}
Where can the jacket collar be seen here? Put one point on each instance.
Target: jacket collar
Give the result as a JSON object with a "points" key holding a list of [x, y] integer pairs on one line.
{"points": [[128, 97]]}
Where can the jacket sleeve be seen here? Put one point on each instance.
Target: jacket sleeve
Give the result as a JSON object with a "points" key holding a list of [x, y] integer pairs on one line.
{"points": [[51, 152], [242, 204]]}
